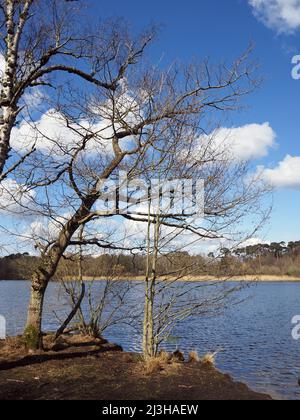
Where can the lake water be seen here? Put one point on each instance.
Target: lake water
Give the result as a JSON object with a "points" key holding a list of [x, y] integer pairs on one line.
{"points": [[255, 336]]}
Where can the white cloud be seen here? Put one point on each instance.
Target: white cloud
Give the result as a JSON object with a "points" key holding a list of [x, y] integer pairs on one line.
{"points": [[33, 98], [281, 15], [252, 242], [248, 142], [285, 175], [43, 229], [251, 141], [50, 134], [13, 196]]}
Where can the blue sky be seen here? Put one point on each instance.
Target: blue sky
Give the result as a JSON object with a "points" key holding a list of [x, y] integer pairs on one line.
{"points": [[222, 30], [266, 132]]}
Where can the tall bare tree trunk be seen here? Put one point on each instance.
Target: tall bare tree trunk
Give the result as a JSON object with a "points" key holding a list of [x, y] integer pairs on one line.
{"points": [[149, 348], [146, 304], [148, 324], [41, 278], [148, 327], [8, 114]]}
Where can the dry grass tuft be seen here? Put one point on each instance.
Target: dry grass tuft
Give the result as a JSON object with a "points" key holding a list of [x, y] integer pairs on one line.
{"points": [[209, 359], [194, 357], [162, 362], [152, 365], [164, 357]]}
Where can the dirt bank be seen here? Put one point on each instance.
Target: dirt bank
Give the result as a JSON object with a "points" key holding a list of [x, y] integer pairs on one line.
{"points": [[97, 370]]}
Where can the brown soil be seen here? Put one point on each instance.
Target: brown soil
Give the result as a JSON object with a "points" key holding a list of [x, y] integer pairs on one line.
{"points": [[88, 369]]}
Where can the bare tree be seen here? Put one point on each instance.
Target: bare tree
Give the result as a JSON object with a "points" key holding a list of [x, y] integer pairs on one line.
{"points": [[132, 122], [172, 296], [170, 225]]}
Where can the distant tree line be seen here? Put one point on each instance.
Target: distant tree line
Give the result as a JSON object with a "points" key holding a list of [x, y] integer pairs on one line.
{"points": [[20, 266], [17, 266], [275, 249], [277, 258]]}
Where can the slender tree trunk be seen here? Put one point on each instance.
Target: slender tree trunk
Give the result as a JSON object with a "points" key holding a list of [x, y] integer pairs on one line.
{"points": [[148, 327], [147, 290], [149, 349], [146, 315]]}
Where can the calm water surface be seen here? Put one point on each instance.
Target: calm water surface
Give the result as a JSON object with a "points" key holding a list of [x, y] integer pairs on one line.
{"points": [[255, 336]]}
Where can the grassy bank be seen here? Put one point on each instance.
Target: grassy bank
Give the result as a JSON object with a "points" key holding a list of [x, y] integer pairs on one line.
{"points": [[246, 278], [86, 369]]}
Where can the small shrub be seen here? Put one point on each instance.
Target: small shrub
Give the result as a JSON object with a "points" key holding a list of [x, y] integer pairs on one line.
{"points": [[178, 356], [156, 364]]}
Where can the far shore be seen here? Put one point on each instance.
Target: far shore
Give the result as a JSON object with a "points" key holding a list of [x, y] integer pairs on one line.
{"points": [[263, 278], [248, 278]]}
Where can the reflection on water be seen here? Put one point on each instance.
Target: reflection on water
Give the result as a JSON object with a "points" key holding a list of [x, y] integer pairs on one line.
{"points": [[255, 337]]}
